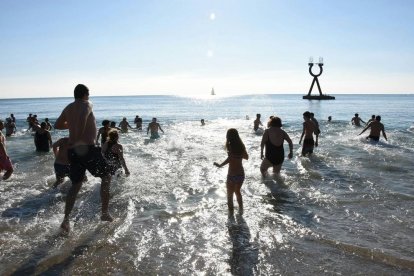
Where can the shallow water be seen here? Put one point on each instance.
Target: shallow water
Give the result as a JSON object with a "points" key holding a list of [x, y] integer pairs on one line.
{"points": [[345, 210]]}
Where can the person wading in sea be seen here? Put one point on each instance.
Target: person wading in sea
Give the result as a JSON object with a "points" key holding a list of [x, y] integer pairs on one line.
{"points": [[83, 154]]}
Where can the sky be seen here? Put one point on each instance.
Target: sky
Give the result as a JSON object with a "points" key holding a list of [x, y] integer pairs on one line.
{"points": [[187, 47]]}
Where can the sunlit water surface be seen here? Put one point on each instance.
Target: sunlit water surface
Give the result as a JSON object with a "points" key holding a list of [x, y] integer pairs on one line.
{"points": [[346, 210]]}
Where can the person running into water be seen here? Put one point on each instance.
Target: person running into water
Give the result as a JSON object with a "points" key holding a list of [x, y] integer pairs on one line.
{"points": [[370, 120], [257, 122], [114, 153], [154, 126], [103, 132], [83, 154], [113, 126], [5, 162], [356, 121], [318, 131], [124, 125], [10, 127], [235, 177], [138, 122], [309, 128], [272, 140], [42, 138], [376, 128]]}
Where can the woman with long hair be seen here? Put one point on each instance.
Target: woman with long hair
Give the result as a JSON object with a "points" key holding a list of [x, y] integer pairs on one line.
{"points": [[113, 152], [236, 153]]}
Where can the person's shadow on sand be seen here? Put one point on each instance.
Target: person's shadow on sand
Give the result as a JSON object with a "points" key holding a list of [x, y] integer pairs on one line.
{"points": [[245, 255]]}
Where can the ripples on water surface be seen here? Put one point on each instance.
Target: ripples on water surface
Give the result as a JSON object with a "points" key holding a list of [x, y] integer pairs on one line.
{"points": [[346, 210]]}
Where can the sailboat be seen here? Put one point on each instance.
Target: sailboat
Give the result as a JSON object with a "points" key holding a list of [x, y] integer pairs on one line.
{"points": [[212, 92]]}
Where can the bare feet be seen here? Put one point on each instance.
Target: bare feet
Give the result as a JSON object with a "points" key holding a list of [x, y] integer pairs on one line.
{"points": [[106, 217], [65, 225]]}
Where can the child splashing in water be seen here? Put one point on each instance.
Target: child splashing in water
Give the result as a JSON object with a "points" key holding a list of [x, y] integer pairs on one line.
{"points": [[236, 153]]}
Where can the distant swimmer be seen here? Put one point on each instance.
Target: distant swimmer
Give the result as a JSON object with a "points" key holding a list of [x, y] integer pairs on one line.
{"points": [[357, 120], [42, 138], [309, 129], [61, 164], [5, 162], [247, 117], [114, 153], [272, 140], [124, 125], [113, 126], [83, 154], [235, 177], [202, 122], [103, 132], [154, 126], [370, 120], [13, 118], [48, 124], [329, 118], [138, 122], [257, 122], [313, 119], [10, 127], [376, 128]]}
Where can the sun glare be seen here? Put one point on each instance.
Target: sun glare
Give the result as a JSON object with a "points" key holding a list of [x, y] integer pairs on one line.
{"points": [[212, 16]]}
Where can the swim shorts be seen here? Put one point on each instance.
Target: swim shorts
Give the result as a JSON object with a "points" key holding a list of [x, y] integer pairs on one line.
{"points": [[5, 163], [61, 170], [308, 145], [87, 157], [154, 136], [375, 138], [236, 179]]}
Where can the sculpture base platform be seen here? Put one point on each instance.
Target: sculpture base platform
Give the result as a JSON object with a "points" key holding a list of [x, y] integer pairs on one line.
{"points": [[318, 97]]}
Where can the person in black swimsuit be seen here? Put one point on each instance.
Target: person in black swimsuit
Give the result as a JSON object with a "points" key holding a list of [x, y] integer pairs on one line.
{"points": [[272, 140], [42, 138]]}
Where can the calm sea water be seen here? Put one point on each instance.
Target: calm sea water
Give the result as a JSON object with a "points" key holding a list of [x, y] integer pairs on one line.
{"points": [[346, 210]]}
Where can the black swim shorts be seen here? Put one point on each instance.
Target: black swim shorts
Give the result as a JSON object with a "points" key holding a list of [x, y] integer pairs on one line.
{"points": [[84, 158]]}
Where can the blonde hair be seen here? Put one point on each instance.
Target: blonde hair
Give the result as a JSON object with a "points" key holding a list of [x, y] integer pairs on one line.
{"points": [[113, 136]]}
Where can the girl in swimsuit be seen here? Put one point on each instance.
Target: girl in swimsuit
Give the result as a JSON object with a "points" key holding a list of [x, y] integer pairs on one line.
{"points": [[236, 153]]}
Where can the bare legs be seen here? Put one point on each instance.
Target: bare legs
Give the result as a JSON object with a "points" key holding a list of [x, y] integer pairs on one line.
{"points": [[234, 188], [71, 197], [106, 181]]}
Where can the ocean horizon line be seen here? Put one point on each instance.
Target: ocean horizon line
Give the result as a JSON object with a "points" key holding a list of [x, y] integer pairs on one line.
{"points": [[214, 96]]}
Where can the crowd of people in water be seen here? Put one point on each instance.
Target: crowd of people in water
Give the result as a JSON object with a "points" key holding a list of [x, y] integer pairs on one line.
{"points": [[99, 150]]}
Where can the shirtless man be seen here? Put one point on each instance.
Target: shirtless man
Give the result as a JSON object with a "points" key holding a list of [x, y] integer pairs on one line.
{"points": [[257, 122], [272, 140], [309, 128], [5, 162], [376, 129], [83, 155], [124, 125], [103, 132], [154, 126], [370, 120], [318, 131], [10, 127], [138, 122], [357, 120]]}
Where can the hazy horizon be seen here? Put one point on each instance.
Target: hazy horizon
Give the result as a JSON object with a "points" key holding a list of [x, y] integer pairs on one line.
{"points": [[186, 48]]}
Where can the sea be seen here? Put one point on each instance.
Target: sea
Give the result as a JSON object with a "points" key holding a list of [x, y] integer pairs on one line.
{"points": [[346, 210]]}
